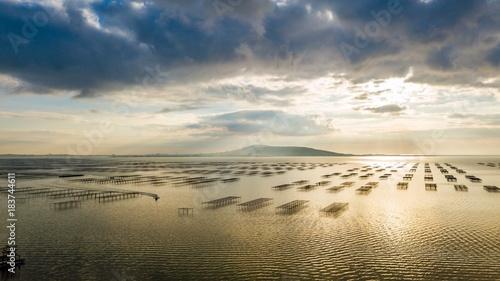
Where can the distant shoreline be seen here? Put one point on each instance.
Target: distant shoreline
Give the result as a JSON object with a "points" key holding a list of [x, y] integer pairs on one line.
{"points": [[258, 151]]}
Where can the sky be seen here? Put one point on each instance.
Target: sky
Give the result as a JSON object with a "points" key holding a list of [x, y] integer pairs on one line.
{"points": [[190, 76]]}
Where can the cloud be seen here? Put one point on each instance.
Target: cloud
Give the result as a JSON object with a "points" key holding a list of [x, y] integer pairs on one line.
{"points": [[365, 96], [388, 108], [442, 58], [87, 93], [42, 115], [494, 56], [362, 97], [459, 116], [179, 108], [97, 47], [276, 122], [274, 92], [489, 119]]}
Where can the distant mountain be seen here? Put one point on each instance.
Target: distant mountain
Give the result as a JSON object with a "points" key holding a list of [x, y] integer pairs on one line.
{"points": [[267, 151]]}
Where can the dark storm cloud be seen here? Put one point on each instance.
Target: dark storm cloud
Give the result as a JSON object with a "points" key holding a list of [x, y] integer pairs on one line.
{"points": [[494, 56], [67, 52], [418, 21], [442, 58], [62, 54], [436, 20]]}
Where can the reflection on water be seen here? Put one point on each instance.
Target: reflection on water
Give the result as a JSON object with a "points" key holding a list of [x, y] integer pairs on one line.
{"points": [[394, 232]]}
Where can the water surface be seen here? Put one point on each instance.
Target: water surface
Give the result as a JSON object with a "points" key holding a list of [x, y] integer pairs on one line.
{"points": [[387, 234]]}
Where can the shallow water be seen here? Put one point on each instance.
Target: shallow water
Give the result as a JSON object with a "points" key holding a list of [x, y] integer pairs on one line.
{"points": [[387, 234]]}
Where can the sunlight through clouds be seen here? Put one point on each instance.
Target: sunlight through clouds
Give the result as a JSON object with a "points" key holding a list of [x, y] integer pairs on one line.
{"points": [[174, 71]]}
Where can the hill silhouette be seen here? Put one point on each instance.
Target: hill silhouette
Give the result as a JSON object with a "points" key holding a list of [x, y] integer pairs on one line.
{"points": [[267, 151]]}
